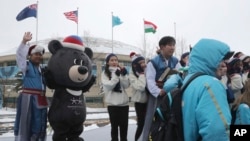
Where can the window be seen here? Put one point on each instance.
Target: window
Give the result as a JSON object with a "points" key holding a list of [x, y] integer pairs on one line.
{"points": [[103, 67], [11, 63], [127, 63], [8, 71], [94, 99], [94, 69]]}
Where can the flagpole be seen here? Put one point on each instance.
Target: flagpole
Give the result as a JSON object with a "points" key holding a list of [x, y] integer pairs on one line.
{"points": [[77, 22], [175, 30], [144, 39], [175, 35], [112, 30], [37, 22]]}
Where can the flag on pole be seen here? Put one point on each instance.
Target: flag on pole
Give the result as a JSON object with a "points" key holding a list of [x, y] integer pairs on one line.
{"points": [[116, 21], [149, 27], [29, 11], [72, 15]]}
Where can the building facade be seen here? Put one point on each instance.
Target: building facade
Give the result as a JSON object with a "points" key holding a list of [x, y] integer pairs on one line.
{"points": [[10, 79]]}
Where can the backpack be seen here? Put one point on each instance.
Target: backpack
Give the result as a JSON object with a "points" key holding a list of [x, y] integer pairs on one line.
{"points": [[167, 123]]}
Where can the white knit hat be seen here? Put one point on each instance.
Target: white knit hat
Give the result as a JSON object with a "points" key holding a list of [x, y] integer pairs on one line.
{"points": [[137, 58], [35, 49], [133, 56]]}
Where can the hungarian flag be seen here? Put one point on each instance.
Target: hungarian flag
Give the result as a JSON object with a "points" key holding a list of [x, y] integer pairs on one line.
{"points": [[72, 15], [149, 27], [29, 11]]}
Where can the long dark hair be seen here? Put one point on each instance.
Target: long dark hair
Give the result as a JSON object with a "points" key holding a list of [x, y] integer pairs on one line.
{"points": [[244, 97], [133, 66], [117, 87], [107, 71]]}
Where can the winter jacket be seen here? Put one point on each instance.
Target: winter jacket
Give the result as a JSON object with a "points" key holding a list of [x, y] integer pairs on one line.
{"points": [[172, 82], [244, 77], [206, 113], [242, 114], [153, 72], [236, 84], [113, 98], [138, 86]]}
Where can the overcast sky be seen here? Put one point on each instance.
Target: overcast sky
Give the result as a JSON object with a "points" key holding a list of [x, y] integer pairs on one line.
{"points": [[225, 20]]}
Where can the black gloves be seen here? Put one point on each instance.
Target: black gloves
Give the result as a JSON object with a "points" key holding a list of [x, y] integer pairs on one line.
{"points": [[118, 72], [89, 85], [117, 88], [124, 71]]}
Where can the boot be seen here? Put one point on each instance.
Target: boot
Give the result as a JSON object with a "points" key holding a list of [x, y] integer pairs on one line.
{"points": [[34, 137]]}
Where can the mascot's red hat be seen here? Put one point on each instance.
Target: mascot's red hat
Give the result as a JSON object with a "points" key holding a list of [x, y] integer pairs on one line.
{"points": [[74, 42]]}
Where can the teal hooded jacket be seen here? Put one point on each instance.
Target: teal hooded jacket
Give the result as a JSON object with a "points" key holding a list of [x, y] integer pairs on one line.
{"points": [[206, 113], [242, 115]]}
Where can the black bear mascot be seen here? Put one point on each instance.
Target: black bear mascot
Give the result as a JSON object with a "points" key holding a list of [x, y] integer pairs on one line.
{"points": [[69, 73]]}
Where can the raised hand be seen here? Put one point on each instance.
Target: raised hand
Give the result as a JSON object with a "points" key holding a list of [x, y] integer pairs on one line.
{"points": [[27, 37], [124, 71]]}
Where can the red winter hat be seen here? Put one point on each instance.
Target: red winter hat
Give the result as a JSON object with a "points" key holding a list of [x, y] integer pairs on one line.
{"points": [[133, 56], [74, 42]]}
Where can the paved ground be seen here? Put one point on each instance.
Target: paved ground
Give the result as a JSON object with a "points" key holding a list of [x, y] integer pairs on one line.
{"points": [[99, 134]]}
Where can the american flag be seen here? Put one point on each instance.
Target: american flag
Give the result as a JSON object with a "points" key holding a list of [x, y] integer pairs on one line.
{"points": [[72, 15]]}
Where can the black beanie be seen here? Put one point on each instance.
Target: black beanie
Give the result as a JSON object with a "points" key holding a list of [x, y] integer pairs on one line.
{"points": [[137, 59], [109, 56]]}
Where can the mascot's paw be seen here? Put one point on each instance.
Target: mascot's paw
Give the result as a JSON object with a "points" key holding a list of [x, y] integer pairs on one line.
{"points": [[91, 82], [50, 82], [77, 139]]}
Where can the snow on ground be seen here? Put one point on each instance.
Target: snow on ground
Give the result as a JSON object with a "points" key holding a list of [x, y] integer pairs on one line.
{"points": [[6, 111], [102, 115]]}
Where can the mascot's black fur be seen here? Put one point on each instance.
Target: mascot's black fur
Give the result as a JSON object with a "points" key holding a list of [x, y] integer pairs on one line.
{"points": [[69, 72]]}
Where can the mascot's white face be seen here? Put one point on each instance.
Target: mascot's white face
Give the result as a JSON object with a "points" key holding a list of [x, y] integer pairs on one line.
{"points": [[78, 73]]}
